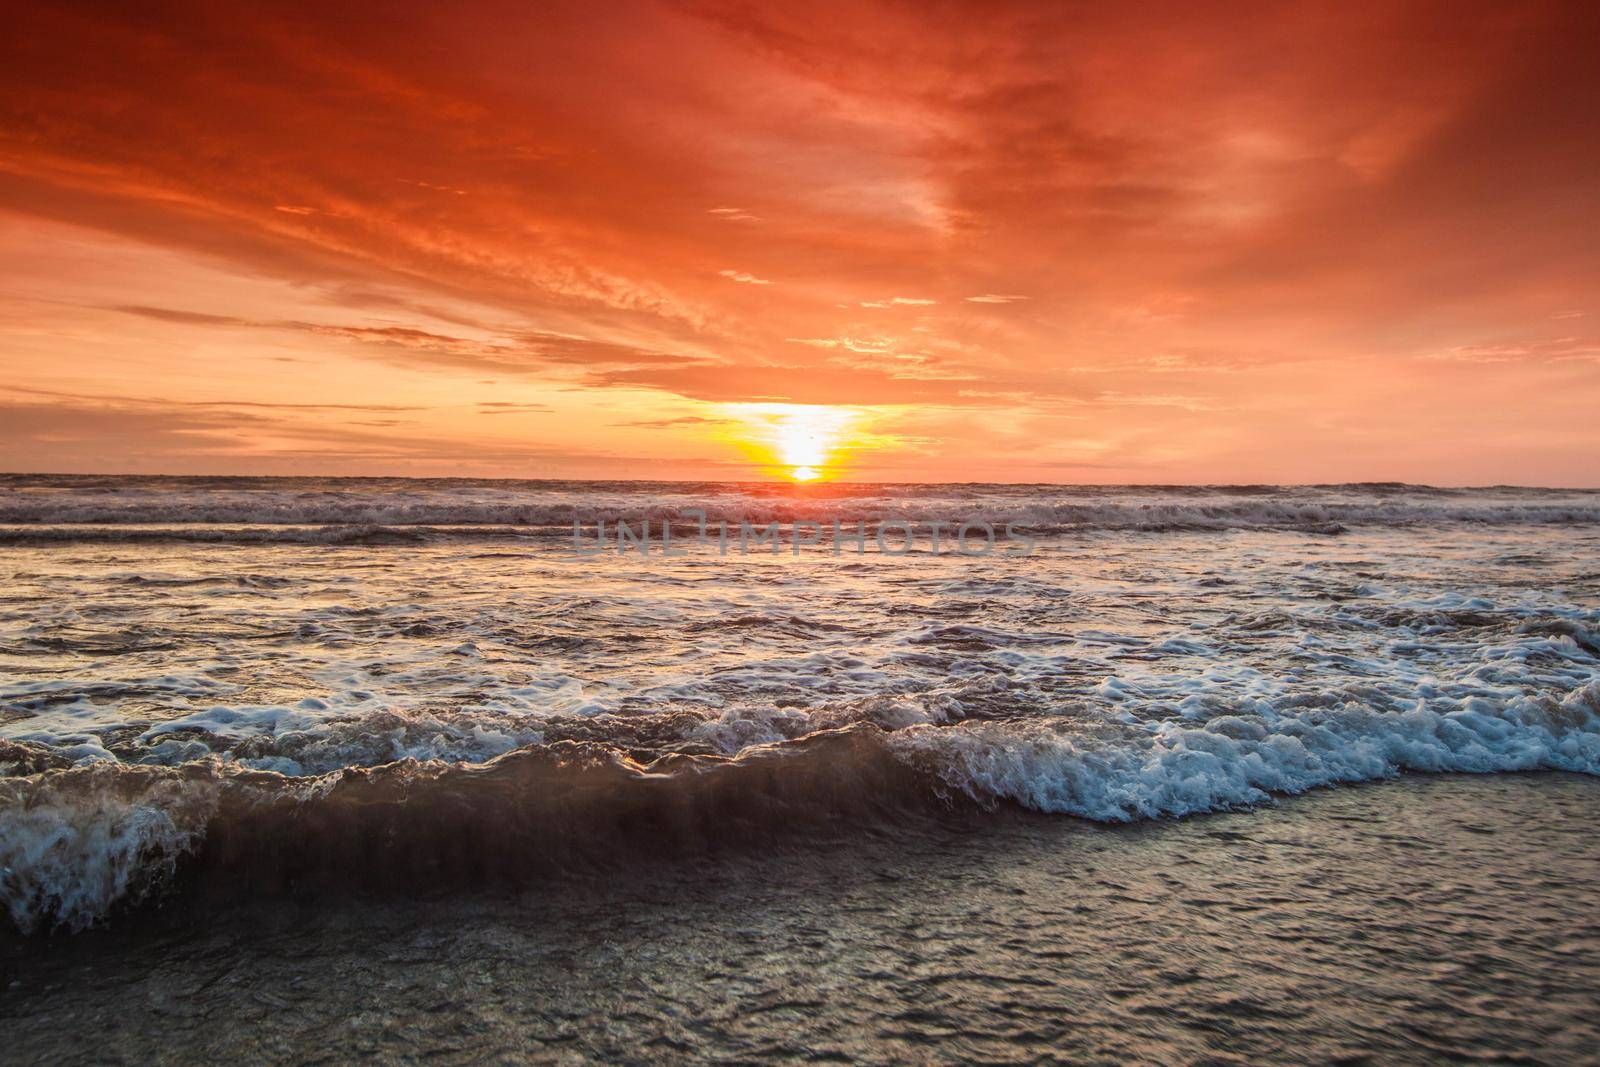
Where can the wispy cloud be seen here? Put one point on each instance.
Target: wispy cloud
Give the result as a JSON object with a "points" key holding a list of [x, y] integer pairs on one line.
{"points": [[675, 421], [1555, 350], [1161, 400], [898, 301], [503, 407], [188, 318], [220, 404], [433, 187], [521, 353], [849, 344]]}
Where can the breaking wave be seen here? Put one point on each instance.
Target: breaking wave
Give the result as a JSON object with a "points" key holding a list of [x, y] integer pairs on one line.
{"points": [[320, 511], [80, 841], [483, 528]]}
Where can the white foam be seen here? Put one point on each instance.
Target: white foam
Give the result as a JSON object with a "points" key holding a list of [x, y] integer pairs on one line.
{"points": [[1176, 768], [310, 740], [71, 847], [736, 729]]}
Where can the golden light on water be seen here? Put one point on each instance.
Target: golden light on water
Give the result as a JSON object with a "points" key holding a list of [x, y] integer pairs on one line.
{"points": [[801, 442]]}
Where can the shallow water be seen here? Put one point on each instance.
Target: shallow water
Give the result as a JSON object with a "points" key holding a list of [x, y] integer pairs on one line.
{"points": [[433, 686], [1439, 918], [310, 769]]}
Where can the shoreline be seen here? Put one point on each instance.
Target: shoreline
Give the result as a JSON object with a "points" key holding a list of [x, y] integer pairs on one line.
{"points": [[1410, 918]]}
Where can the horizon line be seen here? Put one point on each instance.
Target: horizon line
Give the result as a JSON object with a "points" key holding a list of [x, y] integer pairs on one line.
{"points": [[803, 489]]}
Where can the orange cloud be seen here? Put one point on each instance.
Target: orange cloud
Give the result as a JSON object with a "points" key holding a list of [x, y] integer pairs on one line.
{"points": [[1301, 218]]}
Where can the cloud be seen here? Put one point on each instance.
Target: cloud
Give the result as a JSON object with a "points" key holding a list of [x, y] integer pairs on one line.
{"points": [[1558, 349], [528, 353], [826, 384], [581, 351], [408, 337], [849, 344], [898, 301], [1161, 400], [679, 420], [146, 436], [493, 407], [524, 353], [45, 437], [1335, 189], [431, 186], [162, 402], [188, 318]]}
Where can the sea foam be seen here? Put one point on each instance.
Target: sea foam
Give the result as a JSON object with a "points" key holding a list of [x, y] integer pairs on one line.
{"points": [[1175, 768]]}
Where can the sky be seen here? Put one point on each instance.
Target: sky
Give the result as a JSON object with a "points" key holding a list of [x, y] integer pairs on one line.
{"points": [[1025, 242]]}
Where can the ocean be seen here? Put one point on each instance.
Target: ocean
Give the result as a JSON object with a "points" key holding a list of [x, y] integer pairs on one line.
{"points": [[327, 767]]}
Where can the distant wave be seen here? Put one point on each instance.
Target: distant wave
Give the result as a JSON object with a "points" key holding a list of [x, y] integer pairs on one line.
{"points": [[78, 841], [331, 511], [335, 522], [362, 534]]}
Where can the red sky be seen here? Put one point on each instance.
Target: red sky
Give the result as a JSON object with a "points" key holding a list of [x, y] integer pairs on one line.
{"points": [[1001, 241]]}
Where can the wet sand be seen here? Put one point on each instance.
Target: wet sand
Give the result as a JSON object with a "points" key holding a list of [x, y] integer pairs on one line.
{"points": [[1420, 920]]}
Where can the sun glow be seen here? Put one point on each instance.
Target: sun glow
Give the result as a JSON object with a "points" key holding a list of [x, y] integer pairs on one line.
{"points": [[801, 442]]}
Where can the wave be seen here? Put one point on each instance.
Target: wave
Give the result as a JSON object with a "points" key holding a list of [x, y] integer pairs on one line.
{"points": [[78, 842], [405, 524], [74, 843], [320, 510], [1177, 769], [258, 535]]}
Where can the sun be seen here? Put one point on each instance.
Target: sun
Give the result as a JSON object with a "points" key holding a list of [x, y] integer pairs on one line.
{"points": [[800, 442]]}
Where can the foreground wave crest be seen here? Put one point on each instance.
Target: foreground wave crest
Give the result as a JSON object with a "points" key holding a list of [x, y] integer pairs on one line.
{"points": [[77, 842]]}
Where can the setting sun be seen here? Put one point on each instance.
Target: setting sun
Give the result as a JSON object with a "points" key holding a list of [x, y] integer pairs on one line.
{"points": [[802, 442]]}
